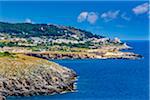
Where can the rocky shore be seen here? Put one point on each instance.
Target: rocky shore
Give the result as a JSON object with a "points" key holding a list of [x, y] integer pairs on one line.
{"points": [[85, 55], [27, 76], [104, 52]]}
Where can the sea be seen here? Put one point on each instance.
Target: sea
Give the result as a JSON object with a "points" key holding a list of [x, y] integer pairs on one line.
{"points": [[111, 79]]}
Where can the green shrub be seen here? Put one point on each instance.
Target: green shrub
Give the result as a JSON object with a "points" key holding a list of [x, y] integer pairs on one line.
{"points": [[3, 54]]}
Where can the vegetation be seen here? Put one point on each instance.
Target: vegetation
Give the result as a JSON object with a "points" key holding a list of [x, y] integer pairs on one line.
{"points": [[38, 30], [6, 54], [16, 66], [8, 44], [44, 37]]}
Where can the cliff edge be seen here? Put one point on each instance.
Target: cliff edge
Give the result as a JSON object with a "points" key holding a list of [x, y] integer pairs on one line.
{"points": [[22, 75]]}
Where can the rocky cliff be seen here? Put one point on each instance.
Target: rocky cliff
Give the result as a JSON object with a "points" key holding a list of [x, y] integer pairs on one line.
{"points": [[91, 54], [22, 75]]}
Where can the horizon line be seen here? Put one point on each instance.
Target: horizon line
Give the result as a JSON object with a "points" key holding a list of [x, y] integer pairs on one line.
{"points": [[78, 0]]}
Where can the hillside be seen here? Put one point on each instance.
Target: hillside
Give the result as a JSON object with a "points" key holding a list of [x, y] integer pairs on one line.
{"points": [[38, 30], [59, 42], [23, 75], [39, 37]]}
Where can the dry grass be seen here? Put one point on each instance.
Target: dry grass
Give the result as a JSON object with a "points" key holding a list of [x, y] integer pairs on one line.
{"points": [[23, 66]]}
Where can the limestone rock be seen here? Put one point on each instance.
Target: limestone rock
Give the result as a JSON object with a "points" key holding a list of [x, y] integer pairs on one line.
{"points": [[27, 76]]}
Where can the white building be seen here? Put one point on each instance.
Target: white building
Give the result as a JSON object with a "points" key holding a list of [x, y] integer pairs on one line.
{"points": [[65, 41]]}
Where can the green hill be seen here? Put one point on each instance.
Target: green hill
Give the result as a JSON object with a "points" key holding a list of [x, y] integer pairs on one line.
{"points": [[49, 30]]}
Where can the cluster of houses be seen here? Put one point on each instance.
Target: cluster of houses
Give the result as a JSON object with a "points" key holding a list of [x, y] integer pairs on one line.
{"points": [[33, 41], [38, 40]]}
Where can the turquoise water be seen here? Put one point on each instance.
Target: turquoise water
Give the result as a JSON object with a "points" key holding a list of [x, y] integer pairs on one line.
{"points": [[107, 79]]}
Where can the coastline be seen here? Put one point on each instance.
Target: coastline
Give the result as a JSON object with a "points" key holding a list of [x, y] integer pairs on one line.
{"points": [[112, 71], [91, 54], [104, 52], [108, 52], [128, 55], [30, 76]]}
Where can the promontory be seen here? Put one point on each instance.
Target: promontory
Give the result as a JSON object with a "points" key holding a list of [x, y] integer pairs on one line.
{"points": [[22, 75]]}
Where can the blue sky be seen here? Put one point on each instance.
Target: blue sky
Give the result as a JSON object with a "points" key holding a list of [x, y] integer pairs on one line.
{"points": [[127, 20]]}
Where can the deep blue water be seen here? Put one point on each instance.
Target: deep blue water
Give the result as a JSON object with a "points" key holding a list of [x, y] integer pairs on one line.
{"points": [[107, 79]]}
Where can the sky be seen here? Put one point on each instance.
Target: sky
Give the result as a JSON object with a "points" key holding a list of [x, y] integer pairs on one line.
{"points": [[127, 20]]}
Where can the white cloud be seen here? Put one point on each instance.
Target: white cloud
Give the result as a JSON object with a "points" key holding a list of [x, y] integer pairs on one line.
{"points": [[141, 9], [82, 16], [125, 17], [28, 20], [110, 15], [92, 17]]}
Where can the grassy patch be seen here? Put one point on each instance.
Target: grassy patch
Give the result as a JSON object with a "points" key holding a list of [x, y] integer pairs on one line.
{"points": [[6, 54]]}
